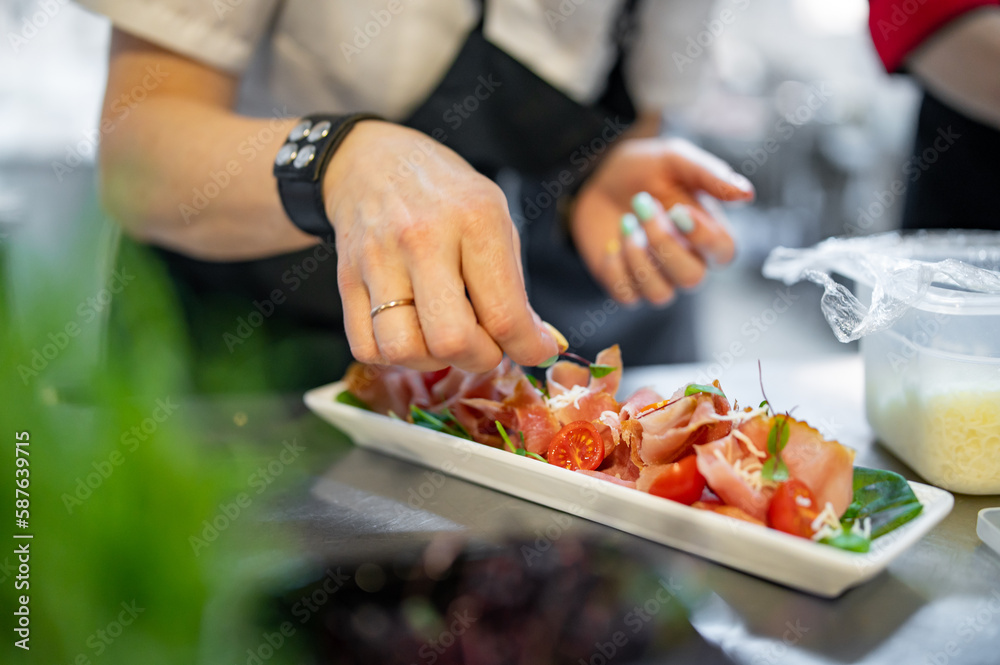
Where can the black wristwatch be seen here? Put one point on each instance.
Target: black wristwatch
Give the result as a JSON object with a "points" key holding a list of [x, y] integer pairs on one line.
{"points": [[301, 163]]}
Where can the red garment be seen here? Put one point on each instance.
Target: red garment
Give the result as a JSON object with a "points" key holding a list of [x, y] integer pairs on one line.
{"points": [[900, 26]]}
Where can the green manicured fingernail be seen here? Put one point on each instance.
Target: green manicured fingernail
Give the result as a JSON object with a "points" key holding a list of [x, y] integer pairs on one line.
{"points": [[644, 206], [681, 218], [629, 224], [550, 362]]}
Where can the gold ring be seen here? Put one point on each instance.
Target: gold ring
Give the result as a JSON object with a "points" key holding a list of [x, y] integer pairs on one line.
{"points": [[392, 303], [613, 247]]}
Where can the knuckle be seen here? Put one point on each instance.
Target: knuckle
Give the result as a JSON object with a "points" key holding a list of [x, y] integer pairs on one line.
{"points": [[665, 296], [691, 277], [500, 322], [364, 352], [481, 362], [415, 235], [450, 343], [402, 349]]}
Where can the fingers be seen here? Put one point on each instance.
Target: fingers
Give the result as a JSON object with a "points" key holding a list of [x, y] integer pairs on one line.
{"points": [[708, 237], [644, 271], [397, 331], [697, 170], [496, 288], [357, 317], [674, 254], [451, 331]]}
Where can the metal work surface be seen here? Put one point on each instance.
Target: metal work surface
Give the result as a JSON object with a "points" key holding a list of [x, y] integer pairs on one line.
{"points": [[938, 603]]}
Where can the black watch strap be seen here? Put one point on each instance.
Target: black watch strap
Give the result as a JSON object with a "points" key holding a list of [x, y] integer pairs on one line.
{"points": [[301, 163]]}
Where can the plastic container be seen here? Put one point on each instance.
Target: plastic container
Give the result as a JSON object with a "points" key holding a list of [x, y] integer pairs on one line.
{"points": [[930, 339]]}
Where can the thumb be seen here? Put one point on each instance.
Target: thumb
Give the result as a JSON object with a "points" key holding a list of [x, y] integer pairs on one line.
{"points": [[700, 170]]}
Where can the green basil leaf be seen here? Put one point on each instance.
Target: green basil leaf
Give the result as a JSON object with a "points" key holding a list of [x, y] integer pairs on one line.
{"points": [[350, 399], [767, 471], [696, 388], [883, 496], [601, 371], [849, 541]]}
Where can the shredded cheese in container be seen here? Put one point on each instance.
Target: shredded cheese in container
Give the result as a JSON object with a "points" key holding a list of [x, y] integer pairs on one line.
{"points": [[951, 439]]}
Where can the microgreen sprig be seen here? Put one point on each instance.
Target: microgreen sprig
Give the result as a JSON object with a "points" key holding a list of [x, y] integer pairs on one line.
{"points": [[523, 452]]}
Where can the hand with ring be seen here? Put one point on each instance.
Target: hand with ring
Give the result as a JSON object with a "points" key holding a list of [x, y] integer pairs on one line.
{"points": [[647, 222], [429, 260]]}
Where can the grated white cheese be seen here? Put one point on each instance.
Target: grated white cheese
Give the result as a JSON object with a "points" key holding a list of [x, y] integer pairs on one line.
{"points": [[740, 417], [803, 501], [754, 450], [826, 524], [862, 528], [571, 396]]}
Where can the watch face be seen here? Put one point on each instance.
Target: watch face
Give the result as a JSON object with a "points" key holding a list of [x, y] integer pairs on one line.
{"points": [[286, 154], [320, 131], [305, 156], [300, 131]]}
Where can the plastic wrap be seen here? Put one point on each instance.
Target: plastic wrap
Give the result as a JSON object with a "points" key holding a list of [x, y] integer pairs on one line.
{"points": [[885, 264]]}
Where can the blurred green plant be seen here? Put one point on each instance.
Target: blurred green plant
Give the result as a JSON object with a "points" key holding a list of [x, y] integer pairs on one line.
{"points": [[119, 485]]}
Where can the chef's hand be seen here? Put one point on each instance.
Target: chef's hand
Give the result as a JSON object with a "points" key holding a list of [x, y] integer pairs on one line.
{"points": [[641, 224], [414, 220]]}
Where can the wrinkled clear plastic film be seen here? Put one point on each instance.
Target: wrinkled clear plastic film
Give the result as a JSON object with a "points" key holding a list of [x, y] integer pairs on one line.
{"points": [[927, 310], [959, 262]]}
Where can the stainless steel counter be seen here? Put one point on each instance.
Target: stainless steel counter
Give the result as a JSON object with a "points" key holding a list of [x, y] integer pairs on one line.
{"points": [[939, 603]]}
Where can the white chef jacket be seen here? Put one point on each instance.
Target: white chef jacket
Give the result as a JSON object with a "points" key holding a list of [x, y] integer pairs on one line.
{"points": [[386, 56]]}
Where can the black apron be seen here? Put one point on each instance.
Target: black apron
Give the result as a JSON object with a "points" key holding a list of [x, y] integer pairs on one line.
{"points": [[953, 173], [497, 114]]}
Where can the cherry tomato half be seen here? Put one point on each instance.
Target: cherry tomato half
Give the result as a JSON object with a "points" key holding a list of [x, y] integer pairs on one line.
{"points": [[793, 509], [431, 378], [578, 445], [680, 481]]}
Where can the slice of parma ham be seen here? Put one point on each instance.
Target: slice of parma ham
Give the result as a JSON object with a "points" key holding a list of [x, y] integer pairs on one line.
{"points": [[669, 432], [732, 465]]}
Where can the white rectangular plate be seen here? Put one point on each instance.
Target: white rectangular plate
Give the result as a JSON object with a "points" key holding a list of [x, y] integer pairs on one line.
{"points": [[776, 556]]}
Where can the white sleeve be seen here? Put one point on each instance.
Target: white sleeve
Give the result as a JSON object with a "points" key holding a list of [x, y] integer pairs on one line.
{"points": [[220, 33], [658, 70]]}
